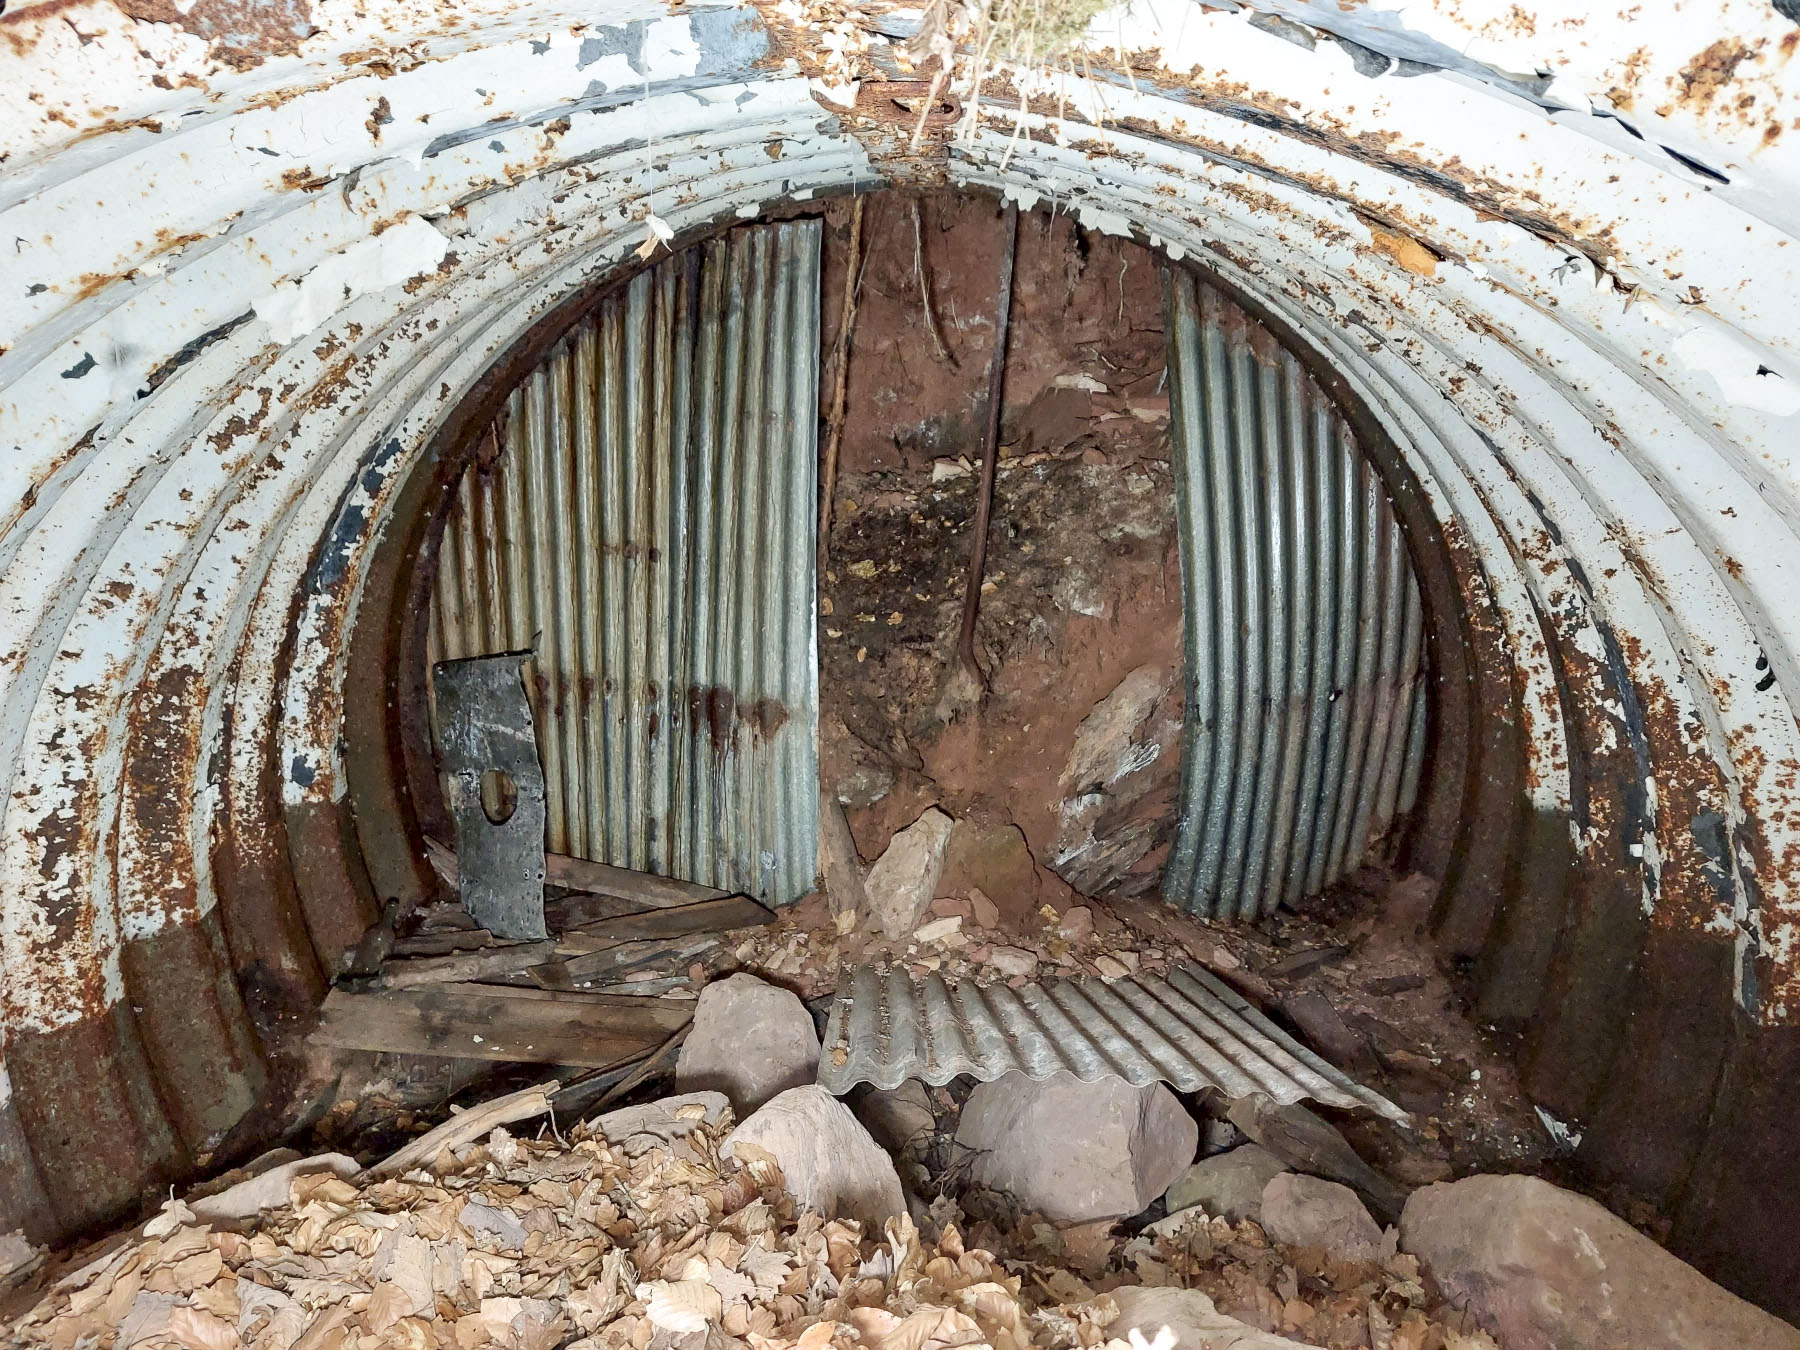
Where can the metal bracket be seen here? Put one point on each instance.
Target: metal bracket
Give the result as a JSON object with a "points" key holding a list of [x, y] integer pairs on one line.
{"points": [[485, 731]]}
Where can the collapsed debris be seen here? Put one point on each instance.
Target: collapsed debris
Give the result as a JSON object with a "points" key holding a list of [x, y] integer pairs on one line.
{"points": [[660, 1226]]}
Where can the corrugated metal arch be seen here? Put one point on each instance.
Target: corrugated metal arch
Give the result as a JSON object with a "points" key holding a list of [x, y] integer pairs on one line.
{"points": [[231, 335]]}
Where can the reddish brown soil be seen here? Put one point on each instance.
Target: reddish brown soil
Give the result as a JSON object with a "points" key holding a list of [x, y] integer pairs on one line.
{"points": [[1084, 581]]}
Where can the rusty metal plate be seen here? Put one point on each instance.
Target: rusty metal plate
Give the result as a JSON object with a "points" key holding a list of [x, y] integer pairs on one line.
{"points": [[495, 790]]}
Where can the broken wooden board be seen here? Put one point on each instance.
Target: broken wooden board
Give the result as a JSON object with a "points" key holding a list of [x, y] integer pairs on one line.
{"points": [[705, 916], [501, 1022], [669, 956], [646, 890], [462, 967]]}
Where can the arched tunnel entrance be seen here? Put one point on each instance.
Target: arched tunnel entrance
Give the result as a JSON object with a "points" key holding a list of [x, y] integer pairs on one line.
{"points": [[1324, 325]]}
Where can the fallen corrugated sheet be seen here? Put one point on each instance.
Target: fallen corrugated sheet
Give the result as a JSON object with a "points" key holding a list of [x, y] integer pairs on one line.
{"points": [[648, 527], [1305, 707], [1189, 1030]]}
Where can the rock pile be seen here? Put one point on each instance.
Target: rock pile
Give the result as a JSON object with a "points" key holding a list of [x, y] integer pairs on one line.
{"points": [[653, 1228]]}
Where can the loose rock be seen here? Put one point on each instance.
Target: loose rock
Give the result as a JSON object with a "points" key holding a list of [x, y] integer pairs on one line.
{"points": [[1227, 1185], [1076, 1151], [1013, 961], [1305, 1211], [839, 864], [903, 881], [827, 1157], [1190, 1315], [750, 1040], [1546, 1268], [901, 1119]]}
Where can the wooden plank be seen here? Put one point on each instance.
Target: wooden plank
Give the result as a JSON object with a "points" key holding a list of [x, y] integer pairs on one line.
{"points": [[705, 916], [649, 892], [465, 966], [531, 1026], [468, 1126], [444, 943], [667, 955]]}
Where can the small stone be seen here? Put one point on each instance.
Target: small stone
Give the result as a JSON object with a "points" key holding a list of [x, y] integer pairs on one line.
{"points": [[938, 929], [1227, 1185], [827, 1158], [1077, 923], [1546, 1268], [1076, 1152], [1013, 961], [1304, 1211], [749, 1040], [1110, 968], [904, 880], [987, 913], [1222, 959], [946, 906]]}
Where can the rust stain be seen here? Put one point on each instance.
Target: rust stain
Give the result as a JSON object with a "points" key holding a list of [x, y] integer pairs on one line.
{"points": [[243, 33], [1704, 78], [1407, 251]]}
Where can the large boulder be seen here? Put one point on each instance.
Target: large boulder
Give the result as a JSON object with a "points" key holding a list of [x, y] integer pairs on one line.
{"points": [[749, 1040], [904, 880], [1546, 1268], [1076, 1151], [1304, 1211], [828, 1159], [1226, 1185]]}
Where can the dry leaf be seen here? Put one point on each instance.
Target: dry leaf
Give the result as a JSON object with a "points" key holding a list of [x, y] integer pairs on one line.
{"points": [[173, 1215], [680, 1306], [196, 1329]]}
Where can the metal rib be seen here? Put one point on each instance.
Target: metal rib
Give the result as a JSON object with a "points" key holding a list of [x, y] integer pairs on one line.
{"points": [[1190, 1031]]}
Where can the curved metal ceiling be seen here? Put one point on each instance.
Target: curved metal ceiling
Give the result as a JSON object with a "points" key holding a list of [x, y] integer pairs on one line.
{"points": [[260, 253]]}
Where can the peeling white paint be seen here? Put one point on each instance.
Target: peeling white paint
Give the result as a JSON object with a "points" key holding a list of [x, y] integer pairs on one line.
{"points": [[407, 250]]}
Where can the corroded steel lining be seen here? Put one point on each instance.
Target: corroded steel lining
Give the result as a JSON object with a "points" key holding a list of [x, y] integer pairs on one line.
{"points": [[252, 272], [648, 524], [1305, 712]]}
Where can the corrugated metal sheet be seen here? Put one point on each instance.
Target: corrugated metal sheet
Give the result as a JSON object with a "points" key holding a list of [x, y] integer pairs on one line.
{"points": [[1305, 708], [649, 526], [1189, 1030]]}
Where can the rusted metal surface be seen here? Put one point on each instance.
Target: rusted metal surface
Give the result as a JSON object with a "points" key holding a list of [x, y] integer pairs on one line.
{"points": [[487, 737], [1190, 1030], [243, 297], [1304, 727], [647, 522]]}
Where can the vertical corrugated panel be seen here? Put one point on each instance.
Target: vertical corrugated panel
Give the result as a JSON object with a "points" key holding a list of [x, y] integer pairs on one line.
{"points": [[649, 529], [1306, 705]]}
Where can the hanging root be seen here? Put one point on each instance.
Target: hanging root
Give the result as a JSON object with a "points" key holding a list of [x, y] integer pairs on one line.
{"points": [[834, 419], [922, 270]]}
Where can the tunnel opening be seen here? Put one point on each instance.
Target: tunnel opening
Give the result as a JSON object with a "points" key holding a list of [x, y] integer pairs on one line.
{"points": [[629, 500], [219, 716]]}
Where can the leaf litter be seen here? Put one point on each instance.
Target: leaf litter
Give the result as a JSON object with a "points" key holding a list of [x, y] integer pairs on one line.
{"points": [[632, 1232]]}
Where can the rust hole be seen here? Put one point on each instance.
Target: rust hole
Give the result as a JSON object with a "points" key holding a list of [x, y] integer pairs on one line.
{"points": [[499, 796]]}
